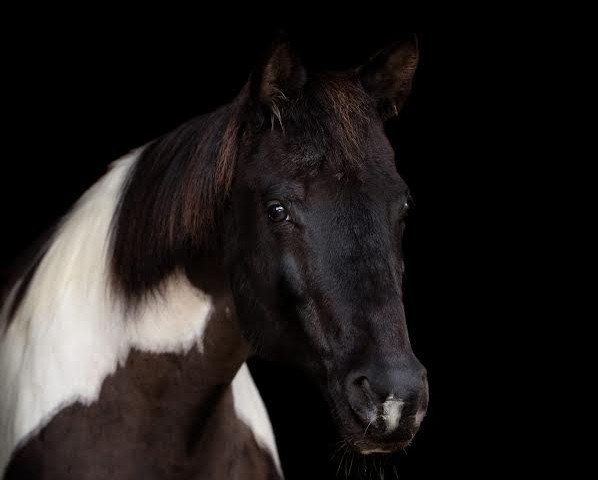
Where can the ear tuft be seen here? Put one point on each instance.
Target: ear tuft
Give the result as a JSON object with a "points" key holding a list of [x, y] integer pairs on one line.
{"points": [[389, 74], [281, 76]]}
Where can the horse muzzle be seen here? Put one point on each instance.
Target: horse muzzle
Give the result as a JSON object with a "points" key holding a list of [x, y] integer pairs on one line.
{"points": [[388, 405]]}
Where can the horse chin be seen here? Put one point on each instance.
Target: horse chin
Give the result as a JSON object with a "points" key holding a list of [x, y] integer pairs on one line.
{"points": [[368, 446], [365, 447]]}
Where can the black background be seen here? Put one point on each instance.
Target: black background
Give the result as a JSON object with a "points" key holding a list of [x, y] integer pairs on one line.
{"points": [[84, 90]]}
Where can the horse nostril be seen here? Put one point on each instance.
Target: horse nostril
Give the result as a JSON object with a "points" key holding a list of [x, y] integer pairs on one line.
{"points": [[363, 384], [375, 393]]}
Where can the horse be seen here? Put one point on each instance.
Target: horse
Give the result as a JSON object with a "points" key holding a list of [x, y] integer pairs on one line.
{"points": [[271, 226]]}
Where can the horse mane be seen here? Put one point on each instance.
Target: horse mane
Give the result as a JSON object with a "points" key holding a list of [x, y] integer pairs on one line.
{"points": [[169, 206]]}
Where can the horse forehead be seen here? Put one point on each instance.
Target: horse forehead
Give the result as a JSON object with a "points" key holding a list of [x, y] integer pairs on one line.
{"points": [[298, 158], [376, 180]]}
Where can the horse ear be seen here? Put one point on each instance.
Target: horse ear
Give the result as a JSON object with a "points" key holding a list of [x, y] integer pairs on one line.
{"points": [[389, 74], [281, 76]]}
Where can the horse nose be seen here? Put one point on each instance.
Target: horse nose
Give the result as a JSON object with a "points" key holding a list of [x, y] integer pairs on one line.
{"points": [[389, 402]]}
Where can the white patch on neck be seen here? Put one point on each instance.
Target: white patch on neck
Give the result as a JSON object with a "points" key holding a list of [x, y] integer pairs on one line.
{"points": [[69, 333], [251, 410]]}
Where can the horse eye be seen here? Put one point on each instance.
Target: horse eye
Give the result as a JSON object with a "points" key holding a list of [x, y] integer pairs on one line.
{"points": [[276, 212]]}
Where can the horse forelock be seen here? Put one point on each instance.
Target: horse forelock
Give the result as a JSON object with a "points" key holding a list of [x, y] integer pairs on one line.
{"points": [[332, 118]]}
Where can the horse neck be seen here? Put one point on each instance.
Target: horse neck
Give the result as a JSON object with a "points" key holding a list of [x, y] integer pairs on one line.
{"points": [[192, 314], [199, 373]]}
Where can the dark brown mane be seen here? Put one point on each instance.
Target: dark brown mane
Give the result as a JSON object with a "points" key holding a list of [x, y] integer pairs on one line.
{"points": [[168, 207]]}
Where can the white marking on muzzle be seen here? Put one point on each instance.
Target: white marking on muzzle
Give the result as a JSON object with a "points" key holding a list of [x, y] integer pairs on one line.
{"points": [[391, 412]]}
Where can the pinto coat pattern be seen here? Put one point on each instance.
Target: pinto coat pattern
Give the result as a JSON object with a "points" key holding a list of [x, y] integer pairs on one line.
{"points": [[271, 226]]}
